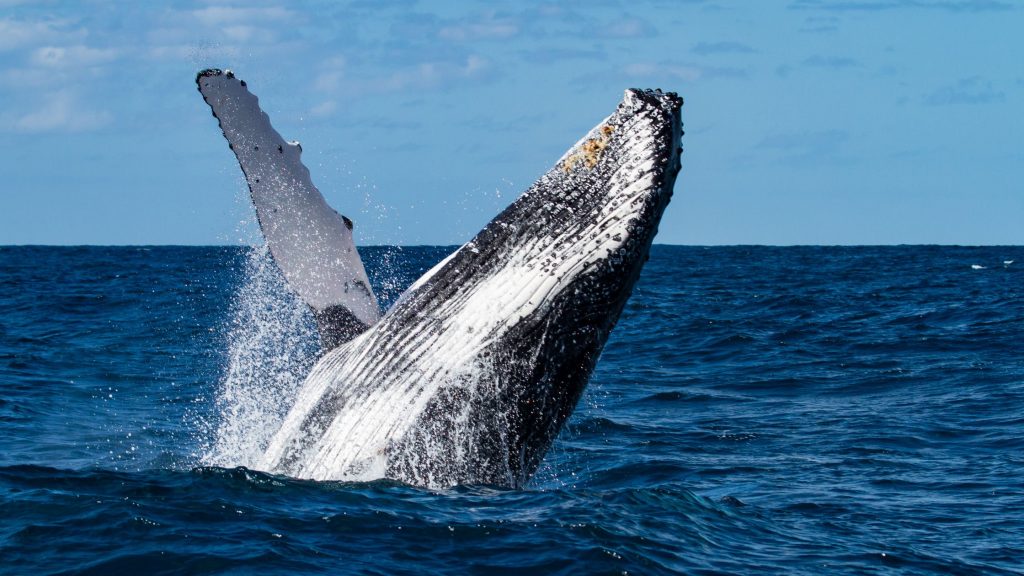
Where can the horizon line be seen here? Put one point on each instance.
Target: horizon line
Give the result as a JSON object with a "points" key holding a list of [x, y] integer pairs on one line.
{"points": [[242, 245]]}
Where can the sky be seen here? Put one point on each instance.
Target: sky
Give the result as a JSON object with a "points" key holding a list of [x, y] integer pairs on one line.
{"points": [[807, 122]]}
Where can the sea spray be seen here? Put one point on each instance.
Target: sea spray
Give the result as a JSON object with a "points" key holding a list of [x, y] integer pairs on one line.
{"points": [[271, 342]]}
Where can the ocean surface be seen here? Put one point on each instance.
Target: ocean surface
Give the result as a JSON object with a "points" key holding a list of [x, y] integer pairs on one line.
{"points": [[805, 410]]}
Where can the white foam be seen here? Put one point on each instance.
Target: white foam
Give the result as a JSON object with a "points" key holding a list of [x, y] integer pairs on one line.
{"points": [[271, 345]]}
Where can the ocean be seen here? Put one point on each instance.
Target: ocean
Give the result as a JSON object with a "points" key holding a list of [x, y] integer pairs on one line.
{"points": [[757, 410]]}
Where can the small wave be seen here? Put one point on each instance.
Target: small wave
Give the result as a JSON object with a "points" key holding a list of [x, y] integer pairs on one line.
{"points": [[598, 425], [678, 396]]}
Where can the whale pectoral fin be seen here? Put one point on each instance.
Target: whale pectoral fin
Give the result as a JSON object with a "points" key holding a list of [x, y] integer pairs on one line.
{"points": [[310, 242]]}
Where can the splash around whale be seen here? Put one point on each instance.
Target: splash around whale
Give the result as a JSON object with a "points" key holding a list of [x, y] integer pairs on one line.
{"points": [[470, 375]]}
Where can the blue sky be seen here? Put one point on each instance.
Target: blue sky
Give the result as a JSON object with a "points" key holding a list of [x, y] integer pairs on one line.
{"points": [[807, 122]]}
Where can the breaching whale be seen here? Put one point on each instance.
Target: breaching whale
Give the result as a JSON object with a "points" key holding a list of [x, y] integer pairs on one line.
{"points": [[471, 374]]}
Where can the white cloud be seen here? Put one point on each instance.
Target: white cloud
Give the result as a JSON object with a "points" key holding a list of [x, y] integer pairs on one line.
{"points": [[432, 74], [214, 16], [973, 90], [627, 28], [60, 112], [685, 72], [422, 76], [222, 32], [171, 52], [681, 72], [808, 146], [329, 79], [324, 109], [834, 62], [71, 56], [15, 34], [26, 78], [240, 33], [880, 5], [487, 28], [723, 47]]}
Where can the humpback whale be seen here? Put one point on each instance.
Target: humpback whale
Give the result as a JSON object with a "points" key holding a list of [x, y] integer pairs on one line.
{"points": [[473, 371]]}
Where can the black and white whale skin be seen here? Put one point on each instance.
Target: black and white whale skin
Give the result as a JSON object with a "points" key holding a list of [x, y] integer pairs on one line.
{"points": [[471, 374]]}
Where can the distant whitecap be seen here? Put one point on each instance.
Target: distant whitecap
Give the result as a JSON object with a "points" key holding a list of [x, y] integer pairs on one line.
{"points": [[977, 267]]}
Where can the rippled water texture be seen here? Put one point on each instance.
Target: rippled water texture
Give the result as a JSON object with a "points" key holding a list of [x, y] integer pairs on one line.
{"points": [[809, 410]]}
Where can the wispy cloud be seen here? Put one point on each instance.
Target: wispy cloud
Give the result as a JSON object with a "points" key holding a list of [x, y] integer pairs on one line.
{"points": [[818, 62], [11, 3], [223, 31], [233, 15], [555, 55], [551, 22], [16, 34], [59, 112], [833, 62], [48, 55], [880, 5], [423, 28], [503, 124], [973, 90], [71, 56], [332, 72], [681, 71], [484, 27], [798, 147], [708, 48], [433, 74], [336, 82], [377, 5], [324, 109], [626, 28], [820, 24]]}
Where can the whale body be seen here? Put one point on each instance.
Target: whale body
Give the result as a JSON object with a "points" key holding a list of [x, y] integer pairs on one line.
{"points": [[473, 371]]}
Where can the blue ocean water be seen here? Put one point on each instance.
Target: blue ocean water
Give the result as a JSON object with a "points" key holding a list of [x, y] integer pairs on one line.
{"points": [[805, 410]]}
